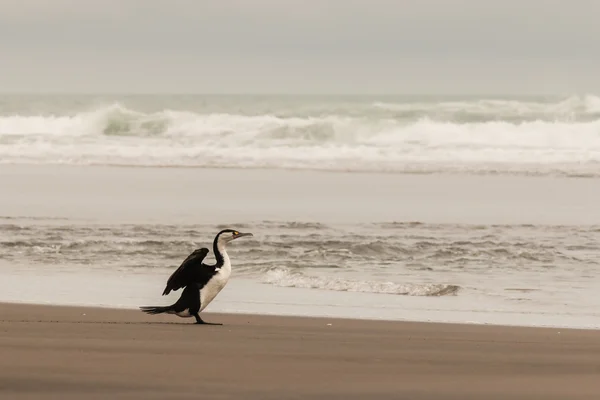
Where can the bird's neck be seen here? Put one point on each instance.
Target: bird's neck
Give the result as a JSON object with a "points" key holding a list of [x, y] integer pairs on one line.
{"points": [[220, 251]]}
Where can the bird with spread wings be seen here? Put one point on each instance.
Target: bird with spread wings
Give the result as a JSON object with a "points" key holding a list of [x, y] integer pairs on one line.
{"points": [[190, 270]]}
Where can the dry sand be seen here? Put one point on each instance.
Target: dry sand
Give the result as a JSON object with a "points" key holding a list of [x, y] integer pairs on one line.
{"points": [[76, 353]]}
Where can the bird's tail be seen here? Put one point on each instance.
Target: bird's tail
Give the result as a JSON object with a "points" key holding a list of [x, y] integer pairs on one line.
{"points": [[156, 309]]}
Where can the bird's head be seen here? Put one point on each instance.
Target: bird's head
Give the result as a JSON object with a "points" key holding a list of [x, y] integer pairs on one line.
{"points": [[228, 235]]}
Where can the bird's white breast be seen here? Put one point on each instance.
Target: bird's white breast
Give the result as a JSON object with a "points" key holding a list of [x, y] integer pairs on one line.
{"points": [[216, 283]]}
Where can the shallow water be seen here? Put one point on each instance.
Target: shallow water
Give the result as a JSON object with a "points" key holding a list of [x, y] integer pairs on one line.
{"points": [[112, 236]]}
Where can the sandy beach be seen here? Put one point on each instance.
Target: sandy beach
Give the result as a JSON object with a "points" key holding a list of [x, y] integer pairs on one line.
{"points": [[370, 201], [75, 352], [110, 236]]}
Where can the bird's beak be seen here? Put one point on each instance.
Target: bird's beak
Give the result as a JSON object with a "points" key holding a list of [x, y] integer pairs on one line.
{"points": [[242, 234]]}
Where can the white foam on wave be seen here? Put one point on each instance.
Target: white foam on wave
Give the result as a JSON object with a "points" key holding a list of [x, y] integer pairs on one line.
{"points": [[117, 135], [573, 105], [285, 278]]}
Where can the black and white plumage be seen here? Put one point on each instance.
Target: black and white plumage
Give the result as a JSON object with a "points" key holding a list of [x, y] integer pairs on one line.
{"points": [[201, 282]]}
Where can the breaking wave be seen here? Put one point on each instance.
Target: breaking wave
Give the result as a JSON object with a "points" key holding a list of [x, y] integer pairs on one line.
{"points": [[574, 108], [483, 136], [285, 278]]}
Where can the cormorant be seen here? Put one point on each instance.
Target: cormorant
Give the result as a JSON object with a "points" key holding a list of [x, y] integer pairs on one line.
{"points": [[201, 282]]}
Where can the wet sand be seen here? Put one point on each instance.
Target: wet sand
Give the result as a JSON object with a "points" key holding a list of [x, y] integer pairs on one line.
{"points": [[51, 352]]}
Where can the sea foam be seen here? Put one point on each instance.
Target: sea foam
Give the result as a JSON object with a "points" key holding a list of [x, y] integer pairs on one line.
{"points": [[285, 278], [483, 136]]}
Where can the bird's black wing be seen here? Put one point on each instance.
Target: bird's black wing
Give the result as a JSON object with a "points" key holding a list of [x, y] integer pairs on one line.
{"points": [[190, 270]]}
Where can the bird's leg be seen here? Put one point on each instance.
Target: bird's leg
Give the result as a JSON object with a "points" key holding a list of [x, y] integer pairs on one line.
{"points": [[201, 322]]}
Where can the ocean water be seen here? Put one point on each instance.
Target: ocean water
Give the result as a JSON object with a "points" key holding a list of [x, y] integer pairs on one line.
{"points": [[502, 274], [526, 136], [435, 209]]}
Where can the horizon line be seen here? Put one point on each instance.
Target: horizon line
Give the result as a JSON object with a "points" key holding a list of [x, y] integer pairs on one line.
{"points": [[290, 94]]}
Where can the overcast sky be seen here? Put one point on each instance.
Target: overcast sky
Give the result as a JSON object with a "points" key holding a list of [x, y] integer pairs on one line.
{"points": [[300, 46]]}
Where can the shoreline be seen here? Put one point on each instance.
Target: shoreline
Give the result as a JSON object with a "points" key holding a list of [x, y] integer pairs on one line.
{"points": [[442, 171], [258, 314], [71, 352], [214, 316]]}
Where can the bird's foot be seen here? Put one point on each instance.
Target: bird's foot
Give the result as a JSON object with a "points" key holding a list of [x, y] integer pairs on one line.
{"points": [[200, 321]]}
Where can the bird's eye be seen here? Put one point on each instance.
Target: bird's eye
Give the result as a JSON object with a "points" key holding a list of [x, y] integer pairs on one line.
{"points": [[236, 233]]}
